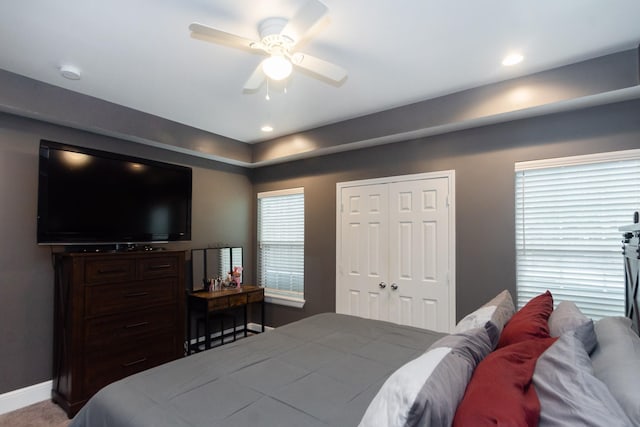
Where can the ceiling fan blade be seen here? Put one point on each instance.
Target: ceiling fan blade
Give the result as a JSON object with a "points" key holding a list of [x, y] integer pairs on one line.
{"points": [[320, 67], [306, 17], [255, 79], [213, 35]]}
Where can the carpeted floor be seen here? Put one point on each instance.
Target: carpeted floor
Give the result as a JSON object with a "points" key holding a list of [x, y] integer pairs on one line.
{"points": [[42, 414]]}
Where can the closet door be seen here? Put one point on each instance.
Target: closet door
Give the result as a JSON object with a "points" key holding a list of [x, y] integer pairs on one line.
{"points": [[419, 253], [363, 262], [394, 250]]}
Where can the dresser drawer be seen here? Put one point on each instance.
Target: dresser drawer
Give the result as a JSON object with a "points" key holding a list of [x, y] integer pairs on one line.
{"points": [[237, 300], [104, 367], [155, 267], [122, 297], [218, 303], [256, 296], [109, 270], [118, 330]]}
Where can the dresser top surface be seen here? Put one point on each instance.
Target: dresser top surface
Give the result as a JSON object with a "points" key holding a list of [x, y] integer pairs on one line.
{"points": [[118, 253]]}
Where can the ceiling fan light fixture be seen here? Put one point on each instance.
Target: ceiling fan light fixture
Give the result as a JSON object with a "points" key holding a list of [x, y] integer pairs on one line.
{"points": [[278, 40], [277, 67]]}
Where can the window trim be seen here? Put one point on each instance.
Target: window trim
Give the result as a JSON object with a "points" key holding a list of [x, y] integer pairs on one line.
{"points": [[611, 156], [275, 298], [272, 295], [285, 192]]}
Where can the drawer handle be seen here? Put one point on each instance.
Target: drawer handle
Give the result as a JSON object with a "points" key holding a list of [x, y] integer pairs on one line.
{"points": [[159, 266], [112, 271], [136, 325], [135, 362], [136, 294]]}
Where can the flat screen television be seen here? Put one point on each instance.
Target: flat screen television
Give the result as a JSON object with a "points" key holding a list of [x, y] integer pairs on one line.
{"points": [[88, 196]]}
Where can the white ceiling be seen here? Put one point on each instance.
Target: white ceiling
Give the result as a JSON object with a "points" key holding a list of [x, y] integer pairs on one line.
{"points": [[140, 54]]}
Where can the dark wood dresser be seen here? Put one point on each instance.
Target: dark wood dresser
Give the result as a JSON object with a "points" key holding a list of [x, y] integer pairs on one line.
{"points": [[115, 314]]}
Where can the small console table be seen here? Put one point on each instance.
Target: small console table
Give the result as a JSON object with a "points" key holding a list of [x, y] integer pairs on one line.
{"points": [[206, 303]]}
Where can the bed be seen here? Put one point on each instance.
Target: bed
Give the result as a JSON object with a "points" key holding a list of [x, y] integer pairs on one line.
{"points": [[323, 370], [331, 369], [545, 364]]}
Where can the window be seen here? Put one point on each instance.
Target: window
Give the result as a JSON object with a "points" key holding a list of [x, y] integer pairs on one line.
{"points": [[281, 246], [567, 216]]}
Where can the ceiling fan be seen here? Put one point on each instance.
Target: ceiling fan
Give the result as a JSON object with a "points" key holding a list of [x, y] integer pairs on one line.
{"points": [[278, 39]]}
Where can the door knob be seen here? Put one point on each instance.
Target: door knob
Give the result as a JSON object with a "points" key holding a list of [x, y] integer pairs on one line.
{"points": [[382, 285], [394, 286]]}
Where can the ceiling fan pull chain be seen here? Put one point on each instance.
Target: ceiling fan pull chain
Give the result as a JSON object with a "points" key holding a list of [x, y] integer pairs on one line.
{"points": [[267, 97]]}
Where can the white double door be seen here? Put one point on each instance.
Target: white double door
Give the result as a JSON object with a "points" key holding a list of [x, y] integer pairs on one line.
{"points": [[395, 250]]}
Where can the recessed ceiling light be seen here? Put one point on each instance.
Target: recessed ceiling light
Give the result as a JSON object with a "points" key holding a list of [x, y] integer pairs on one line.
{"points": [[512, 59], [70, 72], [266, 128]]}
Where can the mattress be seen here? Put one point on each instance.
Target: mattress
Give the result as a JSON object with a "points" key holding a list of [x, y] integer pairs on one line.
{"points": [[319, 371]]}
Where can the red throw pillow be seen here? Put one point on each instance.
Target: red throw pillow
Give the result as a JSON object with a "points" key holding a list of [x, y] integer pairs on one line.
{"points": [[531, 321], [501, 391]]}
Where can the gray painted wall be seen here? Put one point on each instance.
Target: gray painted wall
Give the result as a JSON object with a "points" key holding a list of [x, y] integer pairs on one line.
{"points": [[483, 160], [222, 212]]}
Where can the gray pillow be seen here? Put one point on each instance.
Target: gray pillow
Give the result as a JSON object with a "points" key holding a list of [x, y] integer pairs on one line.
{"points": [[569, 393], [497, 310], [428, 389], [568, 317], [616, 361]]}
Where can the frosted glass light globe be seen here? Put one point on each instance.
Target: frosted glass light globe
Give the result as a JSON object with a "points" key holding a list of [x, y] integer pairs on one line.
{"points": [[277, 67]]}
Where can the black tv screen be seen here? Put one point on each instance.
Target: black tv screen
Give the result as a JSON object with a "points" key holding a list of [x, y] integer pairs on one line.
{"points": [[88, 196]]}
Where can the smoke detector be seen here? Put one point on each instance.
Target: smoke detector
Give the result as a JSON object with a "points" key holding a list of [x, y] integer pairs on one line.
{"points": [[70, 72]]}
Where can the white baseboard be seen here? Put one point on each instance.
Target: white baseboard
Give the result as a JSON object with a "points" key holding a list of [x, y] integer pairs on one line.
{"points": [[257, 326], [20, 398]]}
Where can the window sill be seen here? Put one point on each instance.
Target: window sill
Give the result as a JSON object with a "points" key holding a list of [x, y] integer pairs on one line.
{"points": [[283, 300]]}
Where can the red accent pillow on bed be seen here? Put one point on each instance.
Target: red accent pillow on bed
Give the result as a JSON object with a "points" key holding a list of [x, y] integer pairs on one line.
{"points": [[531, 321], [501, 390]]}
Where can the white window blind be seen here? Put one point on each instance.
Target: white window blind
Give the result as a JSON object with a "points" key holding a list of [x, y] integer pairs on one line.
{"points": [[567, 216], [281, 242]]}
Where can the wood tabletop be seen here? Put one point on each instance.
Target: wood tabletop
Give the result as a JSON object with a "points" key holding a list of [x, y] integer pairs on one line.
{"points": [[225, 292]]}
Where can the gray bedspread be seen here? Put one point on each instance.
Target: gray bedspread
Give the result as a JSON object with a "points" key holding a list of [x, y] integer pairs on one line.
{"points": [[323, 370]]}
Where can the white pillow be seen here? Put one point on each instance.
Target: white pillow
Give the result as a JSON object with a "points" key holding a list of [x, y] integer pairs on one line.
{"points": [[498, 310], [428, 389], [393, 402]]}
